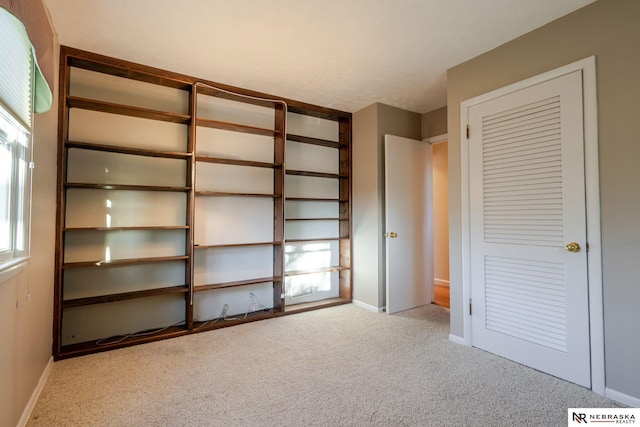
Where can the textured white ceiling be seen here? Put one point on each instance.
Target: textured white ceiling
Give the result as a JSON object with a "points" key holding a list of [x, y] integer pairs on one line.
{"points": [[345, 54]]}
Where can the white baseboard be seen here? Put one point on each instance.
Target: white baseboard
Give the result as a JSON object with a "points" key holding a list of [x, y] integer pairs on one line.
{"points": [[26, 414], [441, 282], [367, 306], [634, 402], [456, 339]]}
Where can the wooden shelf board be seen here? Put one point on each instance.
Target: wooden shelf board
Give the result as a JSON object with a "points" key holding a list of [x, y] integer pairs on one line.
{"points": [[126, 110], [208, 159], [316, 174], [307, 306], [125, 69], [122, 262], [224, 285], [135, 228], [316, 111], [216, 124], [125, 187], [314, 141], [128, 150], [316, 219], [321, 239], [73, 350], [221, 93], [315, 270], [229, 194], [314, 199], [236, 245], [78, 302]]}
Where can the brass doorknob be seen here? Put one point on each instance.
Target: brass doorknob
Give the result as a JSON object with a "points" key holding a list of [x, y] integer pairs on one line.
{"points": [[573, 247], [393, 235]]}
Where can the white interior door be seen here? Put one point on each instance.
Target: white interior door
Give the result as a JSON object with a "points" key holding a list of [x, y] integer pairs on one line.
{"points": [[527, 204], [409, 270]]}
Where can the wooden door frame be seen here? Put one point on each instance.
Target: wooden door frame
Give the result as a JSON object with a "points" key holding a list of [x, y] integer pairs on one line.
{"points": [[592, 184]]}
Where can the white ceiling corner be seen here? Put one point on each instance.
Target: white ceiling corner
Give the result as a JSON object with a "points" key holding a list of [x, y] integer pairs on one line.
{"points": [[344, 54]]}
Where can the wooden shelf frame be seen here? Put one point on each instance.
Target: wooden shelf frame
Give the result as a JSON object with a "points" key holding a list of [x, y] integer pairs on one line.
{"points": [[75, 58], [343, 145], [277, 132]]}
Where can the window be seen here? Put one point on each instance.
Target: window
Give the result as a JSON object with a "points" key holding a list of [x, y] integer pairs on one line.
{"points": [[23, 90], [15, 158]]}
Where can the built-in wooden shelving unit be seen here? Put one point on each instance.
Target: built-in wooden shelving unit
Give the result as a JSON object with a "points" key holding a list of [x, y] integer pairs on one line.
{"points": [[176, 212]]}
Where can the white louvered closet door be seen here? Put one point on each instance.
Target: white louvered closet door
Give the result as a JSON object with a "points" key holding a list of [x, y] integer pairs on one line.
{"points": [[527, 202]]}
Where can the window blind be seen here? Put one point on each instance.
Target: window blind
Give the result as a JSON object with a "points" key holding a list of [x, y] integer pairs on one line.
{"points": [[21, 82]]}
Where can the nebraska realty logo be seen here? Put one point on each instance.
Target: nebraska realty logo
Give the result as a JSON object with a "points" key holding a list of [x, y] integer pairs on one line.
{"points": [[580, 416]]}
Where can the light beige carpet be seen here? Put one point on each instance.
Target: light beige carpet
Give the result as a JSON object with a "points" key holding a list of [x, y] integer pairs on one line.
{"points": [[342, 366]]}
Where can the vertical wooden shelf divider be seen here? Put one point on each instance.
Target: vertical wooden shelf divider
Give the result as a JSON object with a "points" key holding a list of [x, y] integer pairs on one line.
{"points": [[63, 133], [278, 208], [190, 215], [346, 242]]}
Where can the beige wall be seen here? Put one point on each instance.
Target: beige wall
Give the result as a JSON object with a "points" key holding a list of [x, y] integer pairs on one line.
{"points": [[369, 127], [26, 300], [434, 123], [608, 29], [366, 206]]}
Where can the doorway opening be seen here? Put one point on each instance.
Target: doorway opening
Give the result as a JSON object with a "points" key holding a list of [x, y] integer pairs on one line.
{"points": [[440, 218]]}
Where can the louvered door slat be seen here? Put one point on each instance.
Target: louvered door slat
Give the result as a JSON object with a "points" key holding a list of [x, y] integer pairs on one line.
{"points": [[507, 285], [527, 164], [515, 142], [514, 113]]}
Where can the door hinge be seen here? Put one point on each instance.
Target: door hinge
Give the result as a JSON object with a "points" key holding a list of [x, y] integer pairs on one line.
{"points": [[470, 308], [467, 131], [587, 247], [32, 165]]}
